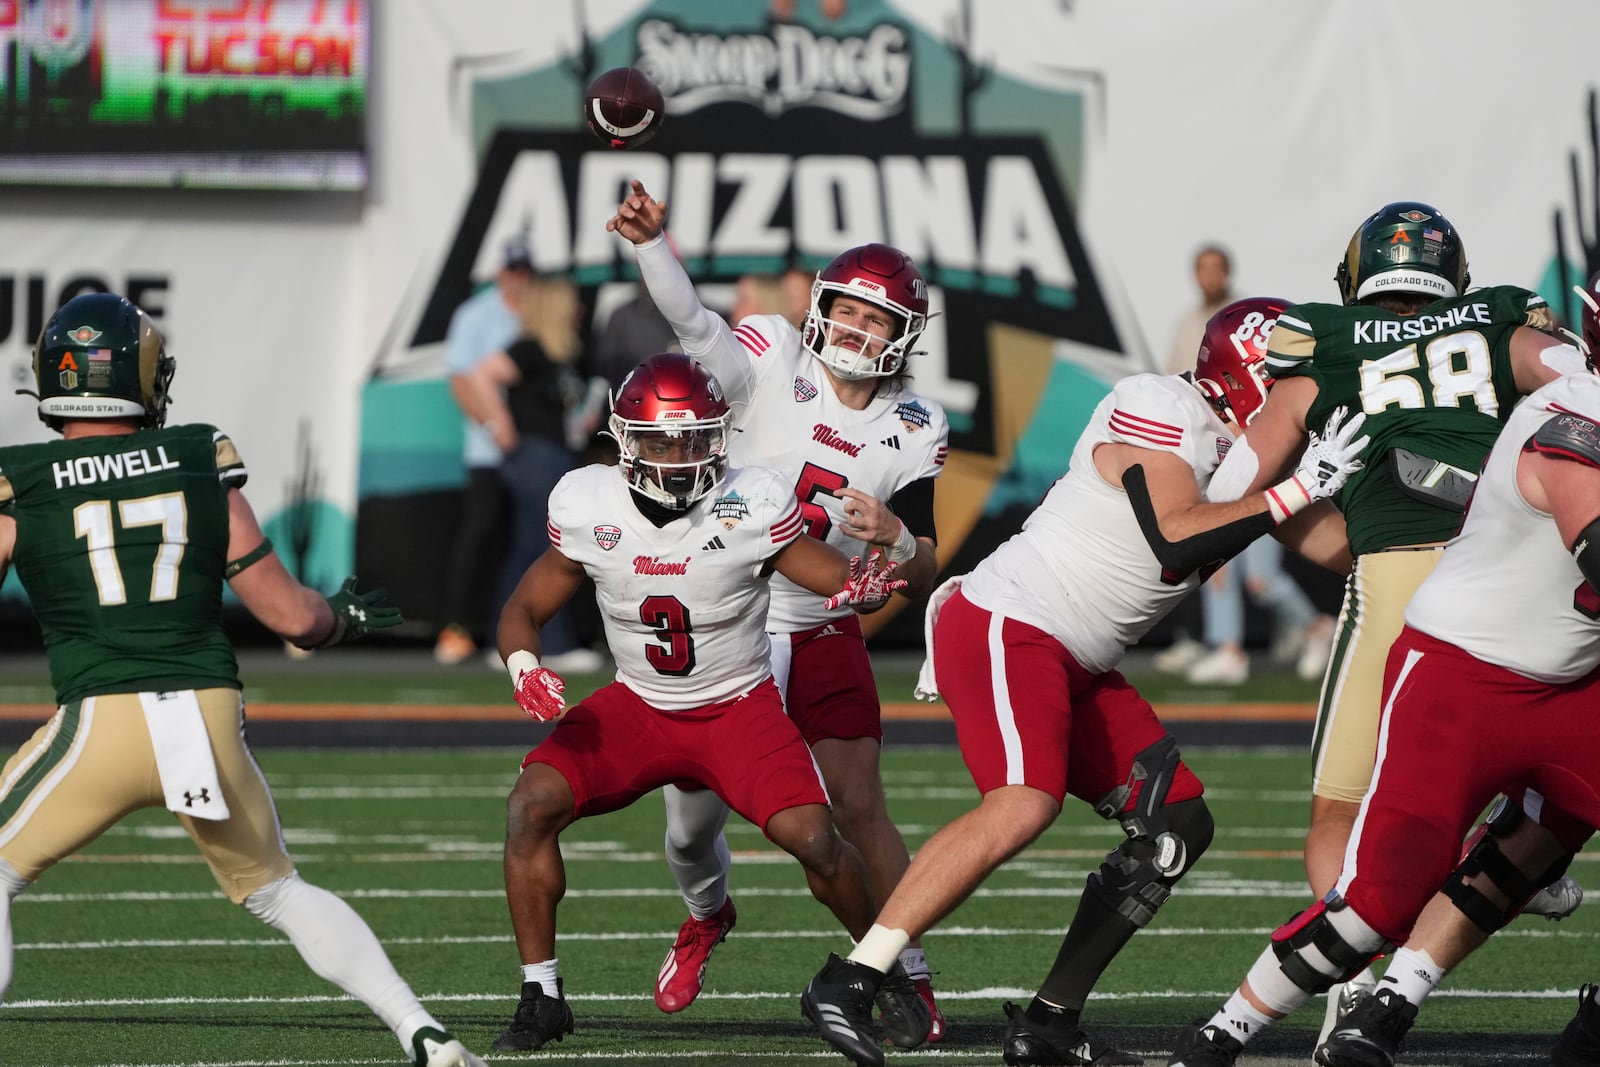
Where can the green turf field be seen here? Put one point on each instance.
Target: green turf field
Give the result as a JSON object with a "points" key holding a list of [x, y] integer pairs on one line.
{"points": [[128, 956]]}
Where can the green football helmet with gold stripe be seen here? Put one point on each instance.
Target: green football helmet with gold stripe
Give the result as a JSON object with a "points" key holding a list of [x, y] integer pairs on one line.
{"points": [[1405, 247], [101, 357]]}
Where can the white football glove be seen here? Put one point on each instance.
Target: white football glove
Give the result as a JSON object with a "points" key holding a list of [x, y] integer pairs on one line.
{"points": [[1325, 465]]}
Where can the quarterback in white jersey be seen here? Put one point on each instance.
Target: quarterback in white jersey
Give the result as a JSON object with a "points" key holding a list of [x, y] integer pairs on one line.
{"points": [[681, 550], [827, 405], [1490, 688]]}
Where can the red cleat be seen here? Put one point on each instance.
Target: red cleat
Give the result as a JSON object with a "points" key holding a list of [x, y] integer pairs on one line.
{"points": [[924, 988], [685, 966]]}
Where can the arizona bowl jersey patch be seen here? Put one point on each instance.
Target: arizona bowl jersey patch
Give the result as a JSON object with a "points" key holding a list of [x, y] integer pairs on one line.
{"points": [[730, 510], [804, 390], [607, 536], [1223, 444], [913, 416]]}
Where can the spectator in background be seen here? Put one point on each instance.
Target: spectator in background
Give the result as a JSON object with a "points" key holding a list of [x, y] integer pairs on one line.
{"points": [[794, 286], [1303, 635], [485, 323], [1212, 267], [635, 331], [539, 422]]}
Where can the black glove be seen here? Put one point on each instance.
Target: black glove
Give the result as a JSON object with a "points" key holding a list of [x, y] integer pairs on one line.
{"points": [[358, 614]]}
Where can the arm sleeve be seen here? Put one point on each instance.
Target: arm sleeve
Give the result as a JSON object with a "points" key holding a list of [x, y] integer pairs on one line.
{"points": [[913, 504], [702, 332]]}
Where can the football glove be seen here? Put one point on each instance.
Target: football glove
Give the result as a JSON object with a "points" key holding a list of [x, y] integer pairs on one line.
{"points": [[539, 694], [1325, 465], [867, 585], [359, 614]]}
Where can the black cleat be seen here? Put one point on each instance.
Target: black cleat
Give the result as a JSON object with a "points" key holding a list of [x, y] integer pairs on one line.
{"points": [[1369, 1034], [1203, 1044], [1027, 1042], [1579, 1045], [838, 1001], [906, 1019], [539, 1019]]}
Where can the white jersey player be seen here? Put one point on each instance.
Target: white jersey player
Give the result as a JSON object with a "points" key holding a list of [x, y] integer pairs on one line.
{"points": [[1023, 650], [681, 551], [828, 406]]}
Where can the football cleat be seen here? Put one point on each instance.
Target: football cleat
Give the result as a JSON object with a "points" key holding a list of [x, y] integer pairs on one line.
{"points": [[684, 969], [435, 1048], [1557, 900], [1205, 1045], [838, 1002], [1027, 1042], [1370, 1035], [907, 1021], [925, 991], [1579, 1045], [539, 1019], [1342, 999]]}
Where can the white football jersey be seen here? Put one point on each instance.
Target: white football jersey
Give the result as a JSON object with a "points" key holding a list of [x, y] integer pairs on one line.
{"points": [[787, 417], [1504, 588], [683, 603], [1081, 569]]}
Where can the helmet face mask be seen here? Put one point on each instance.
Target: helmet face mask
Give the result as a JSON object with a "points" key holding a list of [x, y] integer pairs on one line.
{"points": [[670, 421], [883, 277], [101, 357], [1231, 364], [1405, 247]]}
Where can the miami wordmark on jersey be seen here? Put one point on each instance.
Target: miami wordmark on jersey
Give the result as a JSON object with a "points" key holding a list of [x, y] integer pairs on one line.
{"points": [[683, 604]]}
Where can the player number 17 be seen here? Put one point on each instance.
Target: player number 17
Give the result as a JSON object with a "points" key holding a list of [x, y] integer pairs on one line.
{"points": [[92, 522]]}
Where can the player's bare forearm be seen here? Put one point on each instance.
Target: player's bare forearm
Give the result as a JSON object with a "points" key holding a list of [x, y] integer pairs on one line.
{"points": [[266, 588], [813, 565], [545, 586], [1318, 534]]}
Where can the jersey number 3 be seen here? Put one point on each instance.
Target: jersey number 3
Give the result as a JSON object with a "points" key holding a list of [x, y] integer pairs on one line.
{"points": [[668, 616], [92, 522]]}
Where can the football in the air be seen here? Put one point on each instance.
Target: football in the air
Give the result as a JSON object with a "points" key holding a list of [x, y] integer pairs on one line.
{"points": [[624, 108]]}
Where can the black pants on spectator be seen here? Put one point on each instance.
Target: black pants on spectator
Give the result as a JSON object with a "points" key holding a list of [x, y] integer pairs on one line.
{"points": [[476, 554]]}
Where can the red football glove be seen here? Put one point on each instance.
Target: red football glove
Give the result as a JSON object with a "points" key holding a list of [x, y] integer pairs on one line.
{"points": [[539, 694], [867, 585]]}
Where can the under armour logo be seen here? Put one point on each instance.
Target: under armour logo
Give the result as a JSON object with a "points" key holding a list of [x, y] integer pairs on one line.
{"points": [[358, 614], [204, 797]]}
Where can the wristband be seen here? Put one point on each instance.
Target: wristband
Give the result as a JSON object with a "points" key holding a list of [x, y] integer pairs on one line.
{"points": [[519, 662], [904, 548], [1287, 498]]}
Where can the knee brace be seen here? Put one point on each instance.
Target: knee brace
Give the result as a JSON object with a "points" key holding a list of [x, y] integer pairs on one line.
{"points": [[1484, 858], [1138, 875], [1326, 944]]}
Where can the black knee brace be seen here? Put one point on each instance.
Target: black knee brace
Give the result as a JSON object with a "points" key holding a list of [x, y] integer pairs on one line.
{"points": [[1138, 875], [1485, 858]]}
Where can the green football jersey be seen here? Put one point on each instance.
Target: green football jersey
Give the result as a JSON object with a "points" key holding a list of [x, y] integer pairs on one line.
{"points": [[1437, 385], [121, 544]]}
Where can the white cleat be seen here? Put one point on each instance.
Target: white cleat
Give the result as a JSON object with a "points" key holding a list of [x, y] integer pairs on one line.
{"points": [[1341, 998], [438, 1049], [1557, 900]]}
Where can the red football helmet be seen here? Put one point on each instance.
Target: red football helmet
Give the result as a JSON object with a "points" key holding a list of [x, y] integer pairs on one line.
{"points": [[1231, 366], [1588, 337], [879, 275], [671, 421]]}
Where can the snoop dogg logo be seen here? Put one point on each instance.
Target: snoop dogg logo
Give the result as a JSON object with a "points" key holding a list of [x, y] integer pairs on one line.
{"points": [[789, 66]]}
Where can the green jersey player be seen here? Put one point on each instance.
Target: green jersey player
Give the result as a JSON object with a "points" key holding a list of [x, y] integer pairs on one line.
{"points": [[123, 533]]}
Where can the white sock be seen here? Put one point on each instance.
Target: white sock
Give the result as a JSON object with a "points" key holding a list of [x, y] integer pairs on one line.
{"points": [[545, 974], [339, 946], [1240, 1020], [1413, 974], [11, 883], [880, 948], [914, 963], [697, 850]]}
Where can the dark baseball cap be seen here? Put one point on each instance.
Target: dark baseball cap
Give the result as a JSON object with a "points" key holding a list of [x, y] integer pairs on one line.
{"points": [[518, 255]]}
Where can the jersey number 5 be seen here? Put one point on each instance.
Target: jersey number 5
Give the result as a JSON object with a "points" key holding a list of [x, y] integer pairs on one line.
{"points": [[92, 521], [814, 480], [670, 620]]}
